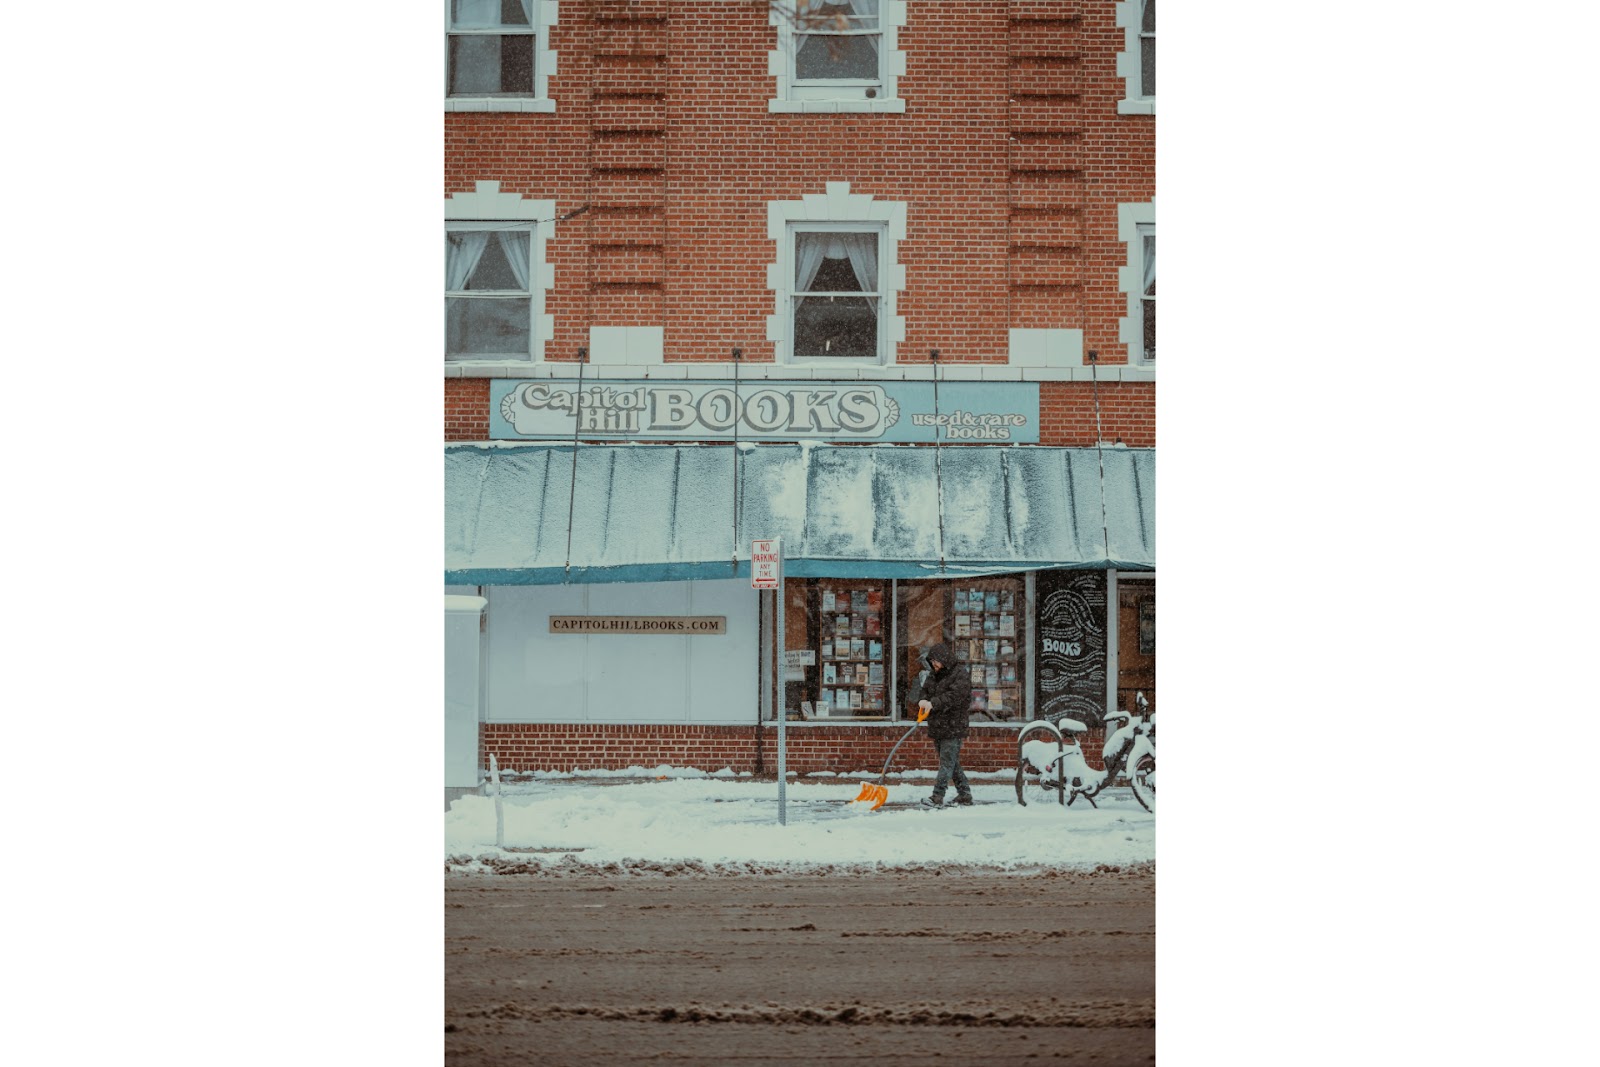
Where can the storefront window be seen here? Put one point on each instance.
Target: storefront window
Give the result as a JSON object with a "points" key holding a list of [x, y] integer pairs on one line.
{"points": [[986, 621], [855, 645], [843, 626]]}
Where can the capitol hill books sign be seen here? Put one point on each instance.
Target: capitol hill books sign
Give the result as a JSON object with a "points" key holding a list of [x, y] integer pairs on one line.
{"points": [[763, 410]]}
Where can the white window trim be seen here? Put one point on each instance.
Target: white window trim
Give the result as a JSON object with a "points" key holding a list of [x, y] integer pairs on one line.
{"points": [[488, 204], [845, 210], [1129, 61], [812, 96], [1133, 222], [545, 13]]}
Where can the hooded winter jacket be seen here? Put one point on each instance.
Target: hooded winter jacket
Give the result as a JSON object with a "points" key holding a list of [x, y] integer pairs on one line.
{"points": [[949, 690]]}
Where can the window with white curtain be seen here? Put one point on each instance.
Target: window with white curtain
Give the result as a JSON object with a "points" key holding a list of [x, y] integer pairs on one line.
{"points": [[1136, 63], [1136, 328], [498, 56], [838, 44], [840, 51], [489, 296], [1147, 296], [836, 294], [491, 47]]}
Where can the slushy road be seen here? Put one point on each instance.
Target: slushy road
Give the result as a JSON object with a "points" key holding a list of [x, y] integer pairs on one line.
{"points": [[831, 967]]}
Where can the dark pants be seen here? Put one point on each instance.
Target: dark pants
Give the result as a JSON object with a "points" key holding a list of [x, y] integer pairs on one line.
{"points": [[949, 749]]}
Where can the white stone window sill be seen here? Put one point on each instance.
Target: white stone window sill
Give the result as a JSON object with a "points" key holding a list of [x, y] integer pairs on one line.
{"points": [[969, 372], [892, 106], [495, 103], [1142, 106]]}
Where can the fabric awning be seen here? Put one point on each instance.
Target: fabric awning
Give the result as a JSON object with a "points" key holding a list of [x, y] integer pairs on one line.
{"points": [[665, 512]]}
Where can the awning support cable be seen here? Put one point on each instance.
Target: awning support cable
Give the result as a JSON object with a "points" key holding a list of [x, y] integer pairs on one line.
{"points": [[738, 356], [938, 477], [1105, 535], [572, 493]]}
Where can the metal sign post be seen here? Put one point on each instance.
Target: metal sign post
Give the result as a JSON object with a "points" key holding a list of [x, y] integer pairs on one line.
{"points": [[766, 572]]}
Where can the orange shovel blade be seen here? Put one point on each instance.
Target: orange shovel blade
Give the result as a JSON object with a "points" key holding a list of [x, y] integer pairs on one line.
{"points": [[872, 794]]}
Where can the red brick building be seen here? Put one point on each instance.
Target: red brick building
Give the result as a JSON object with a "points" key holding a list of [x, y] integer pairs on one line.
{"points": [[634, 192]]}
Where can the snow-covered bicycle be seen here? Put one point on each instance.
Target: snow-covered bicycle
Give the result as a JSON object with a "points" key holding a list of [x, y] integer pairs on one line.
{"points": [[1130, 751]]}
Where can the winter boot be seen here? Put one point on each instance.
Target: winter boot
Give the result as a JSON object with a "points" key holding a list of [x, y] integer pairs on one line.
{"points": [[935, 801], [964, 799]]}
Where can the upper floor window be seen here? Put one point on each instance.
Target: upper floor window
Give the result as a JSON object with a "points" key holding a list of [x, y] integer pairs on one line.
{"points": [[497, 56], [1136, 227], [837, 55], [1147, 296], [488, 290], [837, 277], [835, 295], [495, 276], [1137, 62]]}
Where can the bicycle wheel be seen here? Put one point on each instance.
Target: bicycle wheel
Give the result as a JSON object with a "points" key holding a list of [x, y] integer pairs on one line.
{"points": [[1143, 783]]}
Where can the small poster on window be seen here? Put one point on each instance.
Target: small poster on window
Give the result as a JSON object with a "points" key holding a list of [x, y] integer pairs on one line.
{"points": [[963, 625], [1008, 626], [827, 601]]}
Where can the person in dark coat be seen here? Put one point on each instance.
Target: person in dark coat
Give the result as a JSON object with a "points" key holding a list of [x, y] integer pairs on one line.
{"points": [[947, 695]]}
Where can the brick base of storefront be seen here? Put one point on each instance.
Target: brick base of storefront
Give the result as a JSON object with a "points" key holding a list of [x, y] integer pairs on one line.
{"points": [[809, 748]]}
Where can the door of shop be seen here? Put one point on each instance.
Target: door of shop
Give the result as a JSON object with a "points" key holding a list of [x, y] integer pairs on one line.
{"points": [[1136, 641]]}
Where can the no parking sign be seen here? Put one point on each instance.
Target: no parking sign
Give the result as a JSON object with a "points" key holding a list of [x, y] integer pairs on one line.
{"points": [[766, 563]]}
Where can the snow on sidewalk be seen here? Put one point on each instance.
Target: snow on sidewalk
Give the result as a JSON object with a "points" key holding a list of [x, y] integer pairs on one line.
{"points": [[674, 816]]}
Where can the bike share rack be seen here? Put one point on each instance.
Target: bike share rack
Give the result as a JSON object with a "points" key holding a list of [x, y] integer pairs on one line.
{"points": [[1072, 726]]}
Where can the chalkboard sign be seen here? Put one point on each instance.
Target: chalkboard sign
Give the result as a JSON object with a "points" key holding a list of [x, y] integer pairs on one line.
{"points": [[1070, 645]]}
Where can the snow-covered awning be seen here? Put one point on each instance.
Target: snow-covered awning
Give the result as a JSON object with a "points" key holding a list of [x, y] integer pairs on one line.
{"points": [[665, 512]]}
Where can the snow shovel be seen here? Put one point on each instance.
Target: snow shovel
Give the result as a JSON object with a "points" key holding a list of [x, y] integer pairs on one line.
{"points": [[873, 794]]}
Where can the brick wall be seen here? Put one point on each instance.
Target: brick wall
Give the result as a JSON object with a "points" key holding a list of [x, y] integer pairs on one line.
{"points": [[1010, 155], [841, 749], [466, 409]]}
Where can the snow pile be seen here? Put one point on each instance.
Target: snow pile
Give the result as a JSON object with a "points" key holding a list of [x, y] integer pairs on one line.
{"points": [[726, 822]]}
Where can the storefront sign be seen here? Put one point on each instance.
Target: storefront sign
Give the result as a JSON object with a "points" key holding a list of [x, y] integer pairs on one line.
{"points": [[679, 625], [846, 411], [1071, 645]]}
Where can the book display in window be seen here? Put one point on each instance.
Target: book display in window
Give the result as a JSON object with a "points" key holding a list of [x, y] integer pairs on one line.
{"points": [[850, 624], [988, 623]]}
